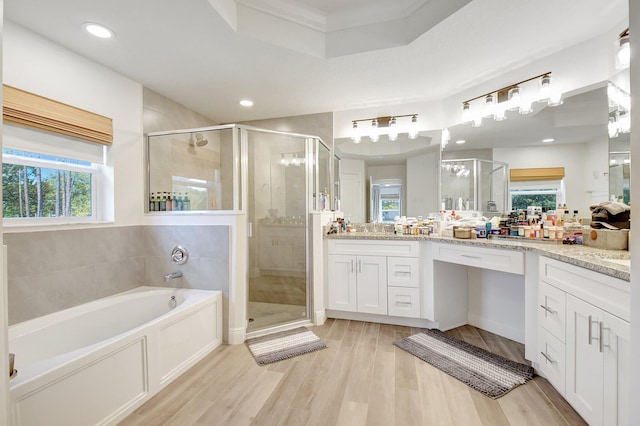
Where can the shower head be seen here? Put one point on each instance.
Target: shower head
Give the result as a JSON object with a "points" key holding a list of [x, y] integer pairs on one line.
{"points": [[198, 139]]}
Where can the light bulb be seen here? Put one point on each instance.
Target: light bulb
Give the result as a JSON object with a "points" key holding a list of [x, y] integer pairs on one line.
{"points": [[466, 112], [514, 98], [355, 133], [555, 98], [544, 92], [525, 106], [489, 105], [393, 129], [624, 52], [374, 135], [413, 127], [477, 121]]}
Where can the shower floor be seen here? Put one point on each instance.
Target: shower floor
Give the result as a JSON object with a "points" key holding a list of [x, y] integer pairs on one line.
{"points": [[276, 300]]}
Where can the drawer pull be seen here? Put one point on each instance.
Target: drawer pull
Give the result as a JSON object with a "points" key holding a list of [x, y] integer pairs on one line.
{"points": [[601, 337], [548, 309], [591, 338], [548, 358], [403, 303], [470, 256], [351, 265]]}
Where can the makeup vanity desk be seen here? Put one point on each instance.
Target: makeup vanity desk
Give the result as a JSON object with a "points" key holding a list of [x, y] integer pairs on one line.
{"points": [[564, 302]]}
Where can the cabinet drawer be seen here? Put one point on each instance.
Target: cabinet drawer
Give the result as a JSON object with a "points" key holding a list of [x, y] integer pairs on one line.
{"points": [[496, 259], [374, 247], [551, 310], [403, 271], [404, 302], [609, 293], [551, 359]]}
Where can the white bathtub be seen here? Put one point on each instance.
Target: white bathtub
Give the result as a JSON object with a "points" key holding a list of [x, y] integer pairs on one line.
{"points": [[95, 363]]}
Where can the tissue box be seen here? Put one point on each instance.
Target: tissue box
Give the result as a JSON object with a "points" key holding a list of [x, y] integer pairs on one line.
{"points": [[606, 239]]}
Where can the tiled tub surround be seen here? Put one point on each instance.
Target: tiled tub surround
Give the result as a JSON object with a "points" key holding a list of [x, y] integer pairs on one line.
{"points": [[609, 262], [53, 270]]}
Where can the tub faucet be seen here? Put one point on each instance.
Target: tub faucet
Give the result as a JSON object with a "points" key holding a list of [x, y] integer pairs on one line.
{"points": [[172, 275]]}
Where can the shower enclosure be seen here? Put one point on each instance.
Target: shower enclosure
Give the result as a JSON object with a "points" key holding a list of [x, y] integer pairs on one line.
{"points": [[273, 180]]}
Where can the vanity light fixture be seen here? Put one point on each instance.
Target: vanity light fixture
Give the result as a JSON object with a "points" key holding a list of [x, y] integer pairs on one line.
{"points": [[624, 51], [388, 125], [98, 30], [515, 97], [291, 159]]}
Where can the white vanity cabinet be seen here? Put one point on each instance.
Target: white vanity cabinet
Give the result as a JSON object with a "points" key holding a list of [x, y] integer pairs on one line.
{"points": [[583, 340], [374, 277], [358, 283]]}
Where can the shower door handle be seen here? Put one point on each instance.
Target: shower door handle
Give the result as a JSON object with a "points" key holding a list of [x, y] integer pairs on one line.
{"points": [[250, 230]]}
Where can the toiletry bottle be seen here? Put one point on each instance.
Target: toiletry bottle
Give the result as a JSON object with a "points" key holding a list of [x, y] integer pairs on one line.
{"points": [[174, 202], [187, 201], [163, 202], [169, 206]]}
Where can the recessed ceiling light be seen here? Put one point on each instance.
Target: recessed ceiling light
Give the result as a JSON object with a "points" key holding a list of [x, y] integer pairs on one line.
{"points": [[460, 142], [98, 30], [246, 103], [548, 140]]}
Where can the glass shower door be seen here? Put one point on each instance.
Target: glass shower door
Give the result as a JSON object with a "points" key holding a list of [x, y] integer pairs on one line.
{"points": [[277, 210]]}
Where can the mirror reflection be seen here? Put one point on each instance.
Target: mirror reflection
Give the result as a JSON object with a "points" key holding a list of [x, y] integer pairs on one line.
{"points": [[557, 154]]}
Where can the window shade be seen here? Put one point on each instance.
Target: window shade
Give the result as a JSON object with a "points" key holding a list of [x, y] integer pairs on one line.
{"points": [[542, 173], [28, 109]]}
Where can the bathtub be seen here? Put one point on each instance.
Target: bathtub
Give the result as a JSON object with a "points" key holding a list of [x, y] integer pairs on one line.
{"points": [[96, 363]]}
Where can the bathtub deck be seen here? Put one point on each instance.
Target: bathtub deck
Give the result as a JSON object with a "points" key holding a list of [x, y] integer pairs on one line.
{"points": [[361, 379]]}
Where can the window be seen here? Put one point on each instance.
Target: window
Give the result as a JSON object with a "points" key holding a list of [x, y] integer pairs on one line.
{"points": [[546, 194], [36, 185], [48, 178]]}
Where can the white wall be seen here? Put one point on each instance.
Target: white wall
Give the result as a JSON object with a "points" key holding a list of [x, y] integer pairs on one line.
{"points": [[39, 66], [353, 190], [573, 157], [422, 184], [634, 237]]}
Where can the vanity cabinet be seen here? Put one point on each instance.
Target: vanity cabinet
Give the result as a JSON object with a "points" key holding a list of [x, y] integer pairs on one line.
{"points": [[358, 283], [374, 277], [583, 340]]}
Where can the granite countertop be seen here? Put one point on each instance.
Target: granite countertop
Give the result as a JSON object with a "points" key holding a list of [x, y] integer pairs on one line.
{"points": [[614, 263]]}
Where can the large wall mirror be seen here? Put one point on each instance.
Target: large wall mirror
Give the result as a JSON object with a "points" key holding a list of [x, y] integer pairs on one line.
{"points": [[565, 151], [384, 179], [619, 129]]}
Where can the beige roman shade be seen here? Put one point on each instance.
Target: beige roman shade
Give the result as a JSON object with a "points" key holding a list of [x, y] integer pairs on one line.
{"points": [[542, 173], [28, 109]]}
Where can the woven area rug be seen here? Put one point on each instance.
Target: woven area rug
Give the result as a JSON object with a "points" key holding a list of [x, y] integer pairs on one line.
{"points": [[283, 345], [486, 372]]}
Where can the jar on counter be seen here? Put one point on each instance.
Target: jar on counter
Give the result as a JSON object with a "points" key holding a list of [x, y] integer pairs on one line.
{"points": [[552, 232]]}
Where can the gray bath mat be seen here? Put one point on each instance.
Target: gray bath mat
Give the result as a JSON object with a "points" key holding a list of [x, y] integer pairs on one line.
{"points": [[484, 371], [283, 345]]}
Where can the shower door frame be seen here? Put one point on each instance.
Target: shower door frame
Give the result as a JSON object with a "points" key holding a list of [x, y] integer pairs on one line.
{"points": [[312, 188]]}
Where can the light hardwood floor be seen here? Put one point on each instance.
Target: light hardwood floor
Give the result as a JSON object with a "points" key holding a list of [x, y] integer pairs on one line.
{"points": [[360, 379]]}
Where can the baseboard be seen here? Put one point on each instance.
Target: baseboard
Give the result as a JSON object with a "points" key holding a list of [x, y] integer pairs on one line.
{"points": [[382, 319], [498, 328], [319, 317], [237, 336]]}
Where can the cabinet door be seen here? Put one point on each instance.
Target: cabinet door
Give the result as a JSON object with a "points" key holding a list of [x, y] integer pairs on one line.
{"points": [[403, 271], [616, 352], [372, 284], [341, 283], [551, 309], [551, 359], [584, 385]]}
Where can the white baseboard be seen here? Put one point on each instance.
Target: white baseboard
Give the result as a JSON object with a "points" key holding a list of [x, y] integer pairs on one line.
{"points": [[383, 319], [319, 317], [237, 336], [500, 329]]}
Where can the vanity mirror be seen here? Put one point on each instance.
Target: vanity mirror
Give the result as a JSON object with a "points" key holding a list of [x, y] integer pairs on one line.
{"points": [[560, 151]]}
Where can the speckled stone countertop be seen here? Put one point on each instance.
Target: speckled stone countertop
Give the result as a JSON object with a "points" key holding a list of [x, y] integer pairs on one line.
{"points": [[614, 263]]}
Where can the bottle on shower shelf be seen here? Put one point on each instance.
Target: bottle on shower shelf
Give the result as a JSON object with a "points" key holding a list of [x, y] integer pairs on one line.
{"points": [[186, 201]]}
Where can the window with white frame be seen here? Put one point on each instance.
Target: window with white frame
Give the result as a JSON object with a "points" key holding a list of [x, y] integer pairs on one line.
{"points": [[49, 178], [547, 194]]}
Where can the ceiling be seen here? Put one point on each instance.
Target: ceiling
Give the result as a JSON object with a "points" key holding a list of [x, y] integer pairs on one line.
{"points": [[191, 52]]}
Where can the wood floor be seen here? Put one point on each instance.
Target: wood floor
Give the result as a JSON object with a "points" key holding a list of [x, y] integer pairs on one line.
{"points": [[360, 379]]}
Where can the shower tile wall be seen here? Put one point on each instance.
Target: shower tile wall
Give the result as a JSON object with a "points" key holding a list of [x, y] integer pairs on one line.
{"points": [[208, 265], [53, 270]]}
